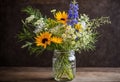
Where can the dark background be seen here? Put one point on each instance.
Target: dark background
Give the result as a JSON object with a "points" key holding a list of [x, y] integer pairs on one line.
{"points": [[107, 53]]}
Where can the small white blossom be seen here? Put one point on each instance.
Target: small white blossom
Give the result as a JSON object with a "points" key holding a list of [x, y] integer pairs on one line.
{"points": [[64, 36], [70, 30], [73, 42], [30, 18], [83, 24], [46, 29], [78, 34], [74, 36], [53, 10], [37, 29], [40, 24]]}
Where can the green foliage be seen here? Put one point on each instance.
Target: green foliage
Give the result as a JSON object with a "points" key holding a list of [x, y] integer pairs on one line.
{"points": [[99, 21], [51, 23], [73, 39], [26, 33], [37, 50], [63, 67], [32, 11]]}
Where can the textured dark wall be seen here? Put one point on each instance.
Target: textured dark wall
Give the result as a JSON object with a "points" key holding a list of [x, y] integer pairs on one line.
{"points": [[107, 51]]}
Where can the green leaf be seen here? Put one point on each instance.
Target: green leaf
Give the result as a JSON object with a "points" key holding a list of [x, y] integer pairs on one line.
{"points": [[32, 11], [26, 45]]}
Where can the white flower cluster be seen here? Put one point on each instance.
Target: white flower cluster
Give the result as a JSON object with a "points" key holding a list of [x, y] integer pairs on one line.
{"points": [[69, 34], [39, 25]]}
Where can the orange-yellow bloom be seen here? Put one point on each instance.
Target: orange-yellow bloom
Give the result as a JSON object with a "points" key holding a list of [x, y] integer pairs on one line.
{"points": [[78, 27], [61, 17], [43, 39], [56, 40]]}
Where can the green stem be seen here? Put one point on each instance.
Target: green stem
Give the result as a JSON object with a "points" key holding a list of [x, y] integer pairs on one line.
{"points": [[63, 67]]}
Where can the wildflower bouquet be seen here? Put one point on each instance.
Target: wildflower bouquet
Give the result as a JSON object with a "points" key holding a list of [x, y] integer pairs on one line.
{"points": [[67, 31]]}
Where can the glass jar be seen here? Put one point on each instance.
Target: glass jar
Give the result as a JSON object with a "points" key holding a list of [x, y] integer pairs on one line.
{"points": [[64, 65]]}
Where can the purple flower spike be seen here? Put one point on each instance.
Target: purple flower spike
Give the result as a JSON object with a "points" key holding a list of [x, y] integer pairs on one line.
{"points": [[73, 13]]}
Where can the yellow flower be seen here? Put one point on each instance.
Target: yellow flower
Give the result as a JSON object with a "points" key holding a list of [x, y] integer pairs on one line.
{"points": [[78, 27], [43, 39], [61, 17], [56, 40]]}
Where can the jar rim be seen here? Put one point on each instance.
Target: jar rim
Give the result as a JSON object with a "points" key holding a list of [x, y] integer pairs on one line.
{"points": [[64, 51]]}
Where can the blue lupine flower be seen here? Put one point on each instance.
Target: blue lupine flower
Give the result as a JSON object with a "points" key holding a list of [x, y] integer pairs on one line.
{"points": [[73, 13]]}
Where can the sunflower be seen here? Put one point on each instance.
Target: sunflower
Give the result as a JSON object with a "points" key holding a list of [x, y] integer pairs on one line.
{"points": [[56, 40], [43, 39], [78, 27], [61, 17]]}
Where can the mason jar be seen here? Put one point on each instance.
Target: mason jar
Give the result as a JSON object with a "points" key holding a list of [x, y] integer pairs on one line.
{"points": [[64, 65]]}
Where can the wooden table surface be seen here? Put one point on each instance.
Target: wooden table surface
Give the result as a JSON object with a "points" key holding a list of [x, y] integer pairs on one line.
{"points": [[40, 74]]}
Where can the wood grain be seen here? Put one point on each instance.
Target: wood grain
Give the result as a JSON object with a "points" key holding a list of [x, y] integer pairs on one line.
{"points": [[37, 74]]}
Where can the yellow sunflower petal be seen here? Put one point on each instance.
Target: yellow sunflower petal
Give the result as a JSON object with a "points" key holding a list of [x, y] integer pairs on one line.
{"points": [[43, 39], [78, 27], [56, 40], [61, 17]]}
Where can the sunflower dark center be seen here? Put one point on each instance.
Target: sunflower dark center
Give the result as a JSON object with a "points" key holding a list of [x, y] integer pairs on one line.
{"points": [[63, 19], [44, 40]]}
